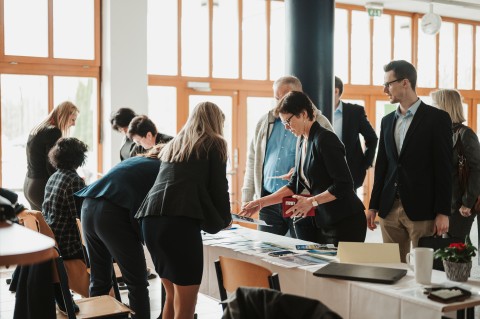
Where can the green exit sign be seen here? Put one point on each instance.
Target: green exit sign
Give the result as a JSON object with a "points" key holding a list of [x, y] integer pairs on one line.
{"points": [[373, 12]]}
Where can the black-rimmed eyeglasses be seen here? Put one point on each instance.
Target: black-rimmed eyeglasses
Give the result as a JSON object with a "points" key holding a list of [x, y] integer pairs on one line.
{"points": [[387, 84], [287, 121]]}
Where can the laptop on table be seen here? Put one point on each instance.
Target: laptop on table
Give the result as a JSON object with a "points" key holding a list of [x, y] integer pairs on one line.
{"points": [[361, 273]]}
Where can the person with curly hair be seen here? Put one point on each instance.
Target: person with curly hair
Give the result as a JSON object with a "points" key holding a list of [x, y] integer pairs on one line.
{"points": [[60, 207]]}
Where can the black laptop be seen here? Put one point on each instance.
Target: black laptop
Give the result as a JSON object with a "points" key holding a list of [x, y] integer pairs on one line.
{"points": [[361, 273]]}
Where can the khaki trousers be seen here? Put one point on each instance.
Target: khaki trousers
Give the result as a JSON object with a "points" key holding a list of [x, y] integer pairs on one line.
{"points": [[396, 227]]}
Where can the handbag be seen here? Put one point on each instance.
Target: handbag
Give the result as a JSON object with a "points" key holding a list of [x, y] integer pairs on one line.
{"points": [[462, 167], [437, 242]]}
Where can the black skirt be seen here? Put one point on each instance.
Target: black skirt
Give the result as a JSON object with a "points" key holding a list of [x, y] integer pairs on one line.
{"points": [[175, 244]]}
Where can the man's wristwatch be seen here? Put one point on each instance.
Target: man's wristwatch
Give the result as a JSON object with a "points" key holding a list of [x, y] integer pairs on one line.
{"points": [[314, 202]]}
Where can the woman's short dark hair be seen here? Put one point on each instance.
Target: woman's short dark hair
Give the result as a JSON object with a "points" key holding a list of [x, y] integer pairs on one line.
{"points": [[141, 125], [68, 153], [121, 118], [295, 103]]}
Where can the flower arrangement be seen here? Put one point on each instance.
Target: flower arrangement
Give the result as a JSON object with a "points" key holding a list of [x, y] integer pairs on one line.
{"points": [[457, 252]]}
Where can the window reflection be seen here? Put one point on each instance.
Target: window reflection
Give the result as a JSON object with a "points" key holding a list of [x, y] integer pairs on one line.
{"points": [[162, 51], [82, 91], [73, 34], [465, 56], [195, 38], [360, 49], [225, 39], [256, 108], [340, 44], [277, 39], [403, 39], [254, 49], [26, 27], [477, 58], [24, 100], [427, 51], [162, 108], [381, 51], [446, 53]]}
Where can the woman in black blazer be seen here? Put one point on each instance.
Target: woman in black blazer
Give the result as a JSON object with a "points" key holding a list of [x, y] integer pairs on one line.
{"points": [[323, 172], [190, 194]]}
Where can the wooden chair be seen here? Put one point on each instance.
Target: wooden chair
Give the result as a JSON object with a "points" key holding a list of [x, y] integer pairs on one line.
{"points": [[233, 273], [92, 307]]}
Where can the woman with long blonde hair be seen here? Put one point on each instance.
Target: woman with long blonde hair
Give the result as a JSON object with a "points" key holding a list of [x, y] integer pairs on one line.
{"points": [[466, 146], [190, 194], [41, 139]]}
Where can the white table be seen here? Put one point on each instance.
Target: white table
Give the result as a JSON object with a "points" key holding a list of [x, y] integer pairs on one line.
{"points": [[350, 299]]}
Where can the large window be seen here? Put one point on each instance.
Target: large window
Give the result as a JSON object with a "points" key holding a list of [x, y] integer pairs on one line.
{"points": [[50, 54]]}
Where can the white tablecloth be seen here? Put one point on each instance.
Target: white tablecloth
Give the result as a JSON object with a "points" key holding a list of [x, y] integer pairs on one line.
{"points": [[350, 299]]}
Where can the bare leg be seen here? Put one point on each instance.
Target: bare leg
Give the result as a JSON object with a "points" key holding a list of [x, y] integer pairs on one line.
{"points": [[185, 301], [168, 311]]}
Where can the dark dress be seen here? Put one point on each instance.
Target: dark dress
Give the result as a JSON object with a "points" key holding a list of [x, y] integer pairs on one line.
{"points": [[187, 197], [39, 168]]}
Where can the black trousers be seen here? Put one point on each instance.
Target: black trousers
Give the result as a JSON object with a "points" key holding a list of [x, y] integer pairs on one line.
{"points": [[108, 233], [34, 191]]}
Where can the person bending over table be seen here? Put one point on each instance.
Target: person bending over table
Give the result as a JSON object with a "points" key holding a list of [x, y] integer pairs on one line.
{"points": [[323, 172], [189, 194], [111, 231]]}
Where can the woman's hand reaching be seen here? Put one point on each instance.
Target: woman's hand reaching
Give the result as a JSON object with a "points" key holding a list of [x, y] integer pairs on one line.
{"points": [[250, 208]]}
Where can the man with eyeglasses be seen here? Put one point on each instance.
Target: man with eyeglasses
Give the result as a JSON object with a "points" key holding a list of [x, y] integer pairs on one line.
{"points": [[271, 159], [413, 172], [349, 122]]}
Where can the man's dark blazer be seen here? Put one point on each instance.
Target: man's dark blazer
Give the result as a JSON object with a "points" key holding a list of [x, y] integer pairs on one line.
{"points": [[355, 122], [422, 171], [326, 169]]}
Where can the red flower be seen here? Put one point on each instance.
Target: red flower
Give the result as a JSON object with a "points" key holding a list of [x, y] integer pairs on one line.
{"points": [[459, 246]]}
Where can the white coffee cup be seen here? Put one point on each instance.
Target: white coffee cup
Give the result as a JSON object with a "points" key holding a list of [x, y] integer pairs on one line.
{"points": [[423, 263]]}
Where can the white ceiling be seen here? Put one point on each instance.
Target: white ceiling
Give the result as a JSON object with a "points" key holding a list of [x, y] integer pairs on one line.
{"points": [[465, 9]]}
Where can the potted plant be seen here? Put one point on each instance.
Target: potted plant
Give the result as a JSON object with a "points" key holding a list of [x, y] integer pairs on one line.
{"points": [[457, 259]]}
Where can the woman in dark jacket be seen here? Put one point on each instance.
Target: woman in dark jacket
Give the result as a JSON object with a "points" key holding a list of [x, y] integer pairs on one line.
{"points": [[190, 194], [463, 196], [41, 139], [322, 170]]}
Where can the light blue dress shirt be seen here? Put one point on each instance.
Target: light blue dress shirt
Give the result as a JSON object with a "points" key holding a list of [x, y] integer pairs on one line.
{"points": [[279, 157], [403, 123], [338, 120]]}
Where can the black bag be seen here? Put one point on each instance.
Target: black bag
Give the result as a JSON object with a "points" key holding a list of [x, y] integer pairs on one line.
{"points": [[437, 242]]}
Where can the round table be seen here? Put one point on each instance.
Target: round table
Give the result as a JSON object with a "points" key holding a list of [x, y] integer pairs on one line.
{"points": [[22, 246]]}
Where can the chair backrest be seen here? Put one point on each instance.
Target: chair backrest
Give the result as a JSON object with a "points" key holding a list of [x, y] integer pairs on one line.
{"points": [[233, 273], [110, 306], [349, 252]]}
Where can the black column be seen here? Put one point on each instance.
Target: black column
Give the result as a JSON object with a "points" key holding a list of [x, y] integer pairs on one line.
{"points": [[309, 48]]}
